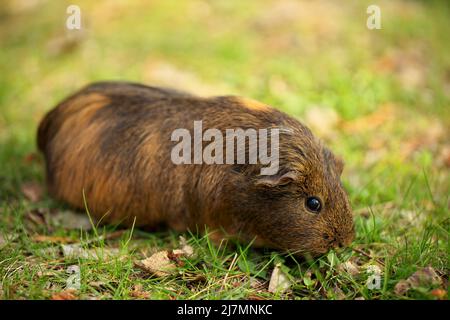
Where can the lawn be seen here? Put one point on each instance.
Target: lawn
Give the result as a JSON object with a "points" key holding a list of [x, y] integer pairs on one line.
{"points": [[379, 98]]}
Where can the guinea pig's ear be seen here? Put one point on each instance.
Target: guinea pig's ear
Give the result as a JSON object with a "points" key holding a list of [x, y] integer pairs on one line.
{"points": [[277, 179], [336, 162], [339, 164]]}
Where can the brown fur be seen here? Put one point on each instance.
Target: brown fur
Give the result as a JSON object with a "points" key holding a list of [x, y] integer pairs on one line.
{"points": [[112, 141]]}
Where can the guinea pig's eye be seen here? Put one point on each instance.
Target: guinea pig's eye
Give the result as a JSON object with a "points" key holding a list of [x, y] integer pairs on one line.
{"points": [[313, 204]]}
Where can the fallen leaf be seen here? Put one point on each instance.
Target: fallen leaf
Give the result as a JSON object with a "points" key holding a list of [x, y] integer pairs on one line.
{"points": [[338, 293], [439, 293], [97, 284], [187, 250], [46, 273], [32, 191], [75, 251], [424, 277], [37, 216], [164, 263], [52, 239], [175, 256], [193, 278], [158, 264], [279, 282], [255, 283], [349, 267], [37, 220], [65, 295], [139, 293], [402, 287], [421, 278]]}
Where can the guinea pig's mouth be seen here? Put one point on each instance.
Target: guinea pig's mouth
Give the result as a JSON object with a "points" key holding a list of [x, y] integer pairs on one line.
{"points": [[309, 253], [331, 243], [339, 238]]}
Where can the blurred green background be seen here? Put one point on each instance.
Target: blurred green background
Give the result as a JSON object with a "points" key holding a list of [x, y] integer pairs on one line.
{"points": [[380, 98]]}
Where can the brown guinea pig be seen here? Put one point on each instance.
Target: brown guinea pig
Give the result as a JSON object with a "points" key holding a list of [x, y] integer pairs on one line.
{"points": [[114, 143]]}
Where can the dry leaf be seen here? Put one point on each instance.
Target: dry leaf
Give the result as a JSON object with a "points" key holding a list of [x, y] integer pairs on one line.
{"points": [[421, 278], [37, 216], [139, 293], [97, 284], [164, 263], [279, 282], [439, 293], [255, 283], [401, 287], [46, 273], [52, 239], [158, 264], [32, 191], [187, 250], [349, 267], [338, 293], [36, 221], [65, 295], [424, 277], [75, 251]]}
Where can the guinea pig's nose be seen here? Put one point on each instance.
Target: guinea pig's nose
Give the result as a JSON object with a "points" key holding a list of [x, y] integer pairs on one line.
{"points": [[340, 242], [337, 244]]}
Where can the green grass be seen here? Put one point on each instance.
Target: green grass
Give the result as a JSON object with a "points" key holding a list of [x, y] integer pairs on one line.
{"points": [[389, 88]]}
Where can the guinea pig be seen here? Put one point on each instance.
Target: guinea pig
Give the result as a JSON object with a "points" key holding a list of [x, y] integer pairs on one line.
{"points": [[110, 146]]}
